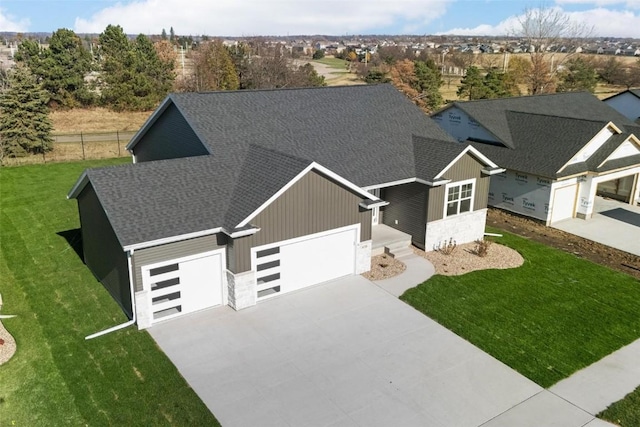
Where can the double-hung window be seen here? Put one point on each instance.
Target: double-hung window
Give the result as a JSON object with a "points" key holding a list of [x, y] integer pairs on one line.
{"points": [[459, 197]]}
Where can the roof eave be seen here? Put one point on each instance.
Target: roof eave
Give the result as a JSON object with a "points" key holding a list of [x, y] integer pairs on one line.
{"points": [[150, 121], [78, 186]]}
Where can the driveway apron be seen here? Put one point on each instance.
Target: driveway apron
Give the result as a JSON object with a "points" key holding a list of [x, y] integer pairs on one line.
{"points": [[342, 353]]}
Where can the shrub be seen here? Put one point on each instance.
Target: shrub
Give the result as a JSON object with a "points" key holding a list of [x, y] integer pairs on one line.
{"points": [[482, 247], [447, 248]]}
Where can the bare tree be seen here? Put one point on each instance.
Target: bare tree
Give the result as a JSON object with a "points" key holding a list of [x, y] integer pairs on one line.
{"points": [[551, 38]]}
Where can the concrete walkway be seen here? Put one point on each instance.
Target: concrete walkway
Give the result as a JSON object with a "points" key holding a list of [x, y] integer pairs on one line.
{"points": [[614, 224], [418, 270]]}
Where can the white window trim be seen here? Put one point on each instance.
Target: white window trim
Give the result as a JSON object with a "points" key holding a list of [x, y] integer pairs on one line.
{"points": [[459, 184]]}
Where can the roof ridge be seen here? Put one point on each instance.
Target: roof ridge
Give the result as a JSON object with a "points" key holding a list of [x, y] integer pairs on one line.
{"points": [[558, 117], [540, 95], [281, 89]]}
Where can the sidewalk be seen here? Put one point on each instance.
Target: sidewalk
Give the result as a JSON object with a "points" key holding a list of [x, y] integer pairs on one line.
{"points": [[604, 382], [573, 401]]}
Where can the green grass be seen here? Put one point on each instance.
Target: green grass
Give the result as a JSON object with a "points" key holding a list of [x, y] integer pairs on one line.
{"points": [[56, 377], [625, 412], [547, 319], [339, 64]]}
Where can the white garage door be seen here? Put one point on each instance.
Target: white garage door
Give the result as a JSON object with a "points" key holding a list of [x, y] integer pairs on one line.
{"points": [[564, 202], [291, 265], [184, 285]]}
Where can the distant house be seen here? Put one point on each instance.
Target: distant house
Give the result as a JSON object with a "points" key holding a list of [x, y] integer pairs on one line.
{"points": [[239, 196], [559, 150], [627, 103]]}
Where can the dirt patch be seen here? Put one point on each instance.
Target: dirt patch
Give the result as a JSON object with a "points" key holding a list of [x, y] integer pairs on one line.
{"points": [[593, 251], [383, 267], [464, 259]]}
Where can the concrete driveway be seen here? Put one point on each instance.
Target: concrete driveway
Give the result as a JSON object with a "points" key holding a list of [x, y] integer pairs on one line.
{"points": [[343, 353], [613, 224]]}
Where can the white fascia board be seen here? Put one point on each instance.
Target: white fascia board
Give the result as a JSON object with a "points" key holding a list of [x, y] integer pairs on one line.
{"points": [[379, 204], [436, 183], [150, 121], [171, 239], [78, 186], [365, 194], [390, 184], [243, 233], [493, 171], [471, 150]]}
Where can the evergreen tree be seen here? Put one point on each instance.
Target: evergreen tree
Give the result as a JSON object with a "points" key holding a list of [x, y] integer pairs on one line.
{"points": [[428, 82], [164, 34], [61, 68], [579, 75], [472, 85], [172, 35], [24, 122], [497, 85], [133, 77]]}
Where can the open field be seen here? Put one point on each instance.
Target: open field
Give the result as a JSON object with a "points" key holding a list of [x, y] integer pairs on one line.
{"points": [[96, 120], [547, 319], [336, 72], [56, 377]]}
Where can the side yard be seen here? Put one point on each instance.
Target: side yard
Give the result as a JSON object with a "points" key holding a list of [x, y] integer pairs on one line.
{"points": [[56, 377], [547, 319]]}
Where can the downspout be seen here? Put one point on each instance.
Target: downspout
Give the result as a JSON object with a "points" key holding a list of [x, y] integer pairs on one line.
{"points": [[133, 304]]}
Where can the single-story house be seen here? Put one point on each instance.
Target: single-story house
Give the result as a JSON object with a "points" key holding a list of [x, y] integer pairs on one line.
{"points": [[559, 150], [626, 103], [239, 196]]}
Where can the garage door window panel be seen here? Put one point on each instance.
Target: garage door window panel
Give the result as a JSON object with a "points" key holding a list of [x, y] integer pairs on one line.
{"points": [[184, 285], [304, 262]]}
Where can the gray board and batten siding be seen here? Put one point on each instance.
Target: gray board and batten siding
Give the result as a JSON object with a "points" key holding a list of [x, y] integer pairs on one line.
{"points": [[101, 249], [312, 205], [406, 209], [175, 250], [409, 202], [467, 167], [170, 137]]}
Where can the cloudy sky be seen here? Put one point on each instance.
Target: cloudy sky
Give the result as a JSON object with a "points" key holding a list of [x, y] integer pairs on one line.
{"points": [[617, 18]]}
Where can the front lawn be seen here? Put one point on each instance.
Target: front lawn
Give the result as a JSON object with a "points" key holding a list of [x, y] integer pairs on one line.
{"points": [[547, 319], [56, 377], [625, 412]]}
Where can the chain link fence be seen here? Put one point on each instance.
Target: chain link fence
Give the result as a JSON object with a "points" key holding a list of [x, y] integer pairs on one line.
{"points": [[79, 146]]}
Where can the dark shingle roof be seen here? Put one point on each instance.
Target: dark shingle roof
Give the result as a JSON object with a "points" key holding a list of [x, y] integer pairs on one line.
{"points": [[153, 200], [545, 144], [432, 156], [260, 141], [362, 133], [492, 113]]}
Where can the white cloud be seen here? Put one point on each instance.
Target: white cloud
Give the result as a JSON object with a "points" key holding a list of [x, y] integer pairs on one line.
{"points": [[631, 4], [606, 23], [260, 17], [11, 23]]}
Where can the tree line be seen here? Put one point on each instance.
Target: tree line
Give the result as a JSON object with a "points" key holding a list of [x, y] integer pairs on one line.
{"points": [[125, 74]]}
